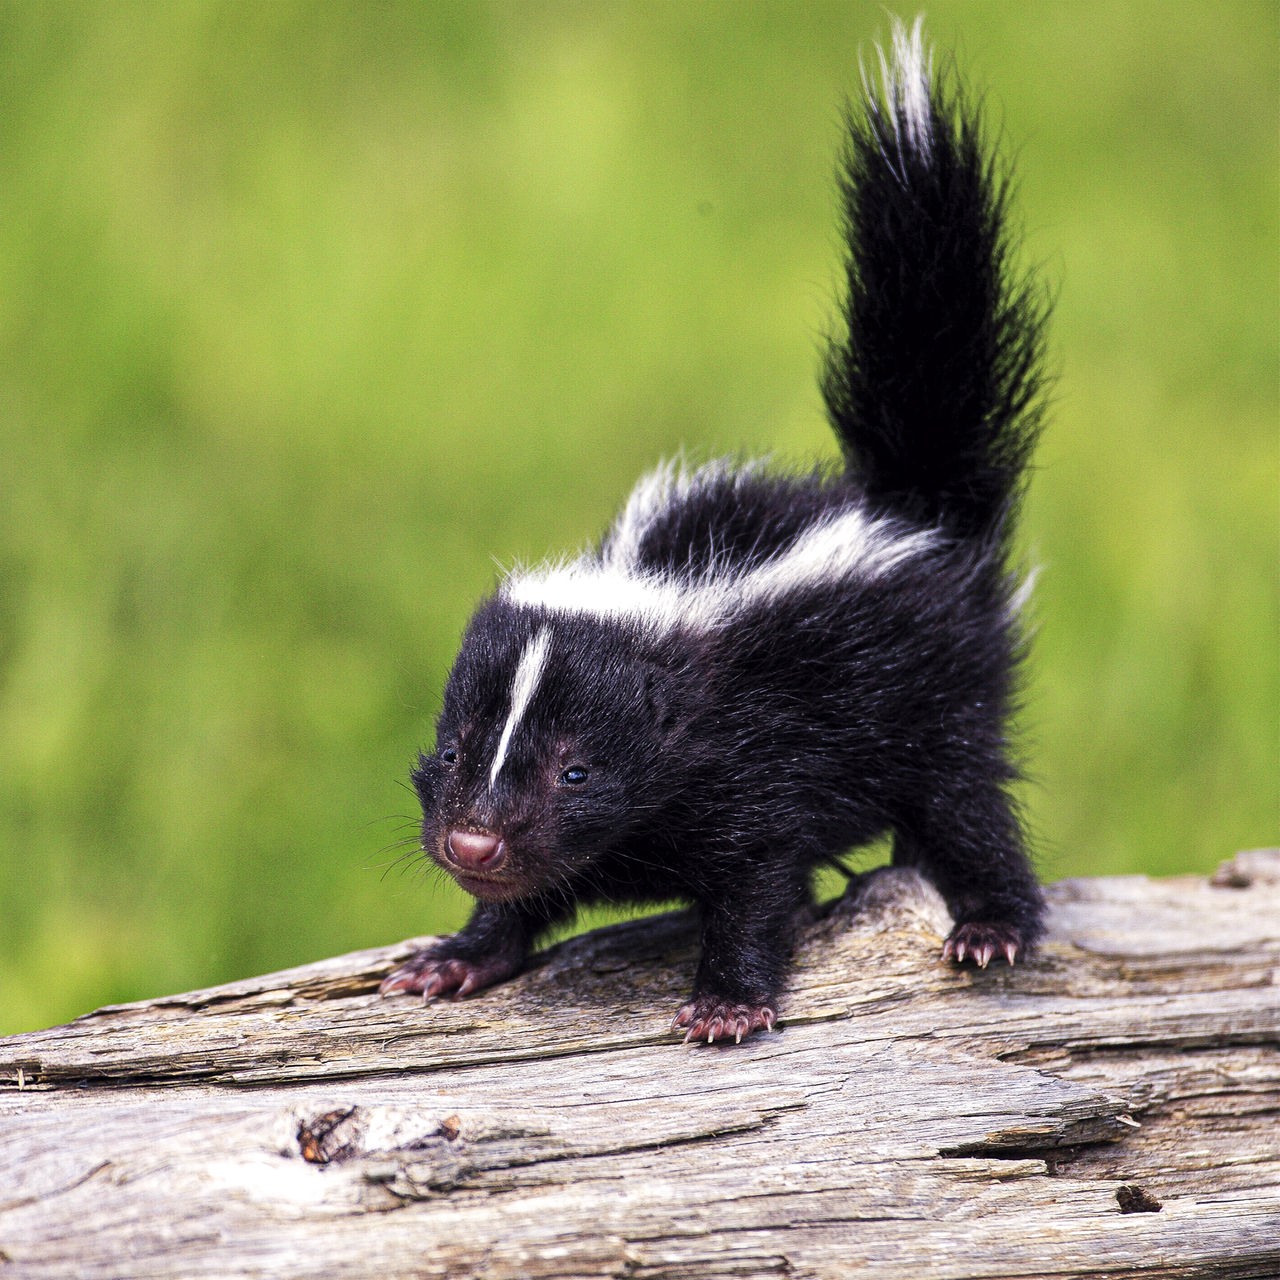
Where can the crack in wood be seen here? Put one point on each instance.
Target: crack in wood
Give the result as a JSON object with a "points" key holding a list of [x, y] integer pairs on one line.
{"points": [[906, 1115]]}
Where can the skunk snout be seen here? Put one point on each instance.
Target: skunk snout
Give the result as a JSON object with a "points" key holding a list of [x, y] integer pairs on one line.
{"points": [[475, 850]]}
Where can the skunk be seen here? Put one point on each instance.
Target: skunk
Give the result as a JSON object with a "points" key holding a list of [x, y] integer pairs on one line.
{"points": [[756, 670]]}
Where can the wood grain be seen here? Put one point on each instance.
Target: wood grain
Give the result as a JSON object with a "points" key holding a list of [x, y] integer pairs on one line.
{"points": [[1111, 1109]]}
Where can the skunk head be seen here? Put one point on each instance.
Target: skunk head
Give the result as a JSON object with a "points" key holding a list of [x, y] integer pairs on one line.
{"points": [[558, 736]]}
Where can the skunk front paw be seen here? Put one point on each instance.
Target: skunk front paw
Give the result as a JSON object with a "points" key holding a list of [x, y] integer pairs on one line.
{"points": [[436, 973], [709, 1019]]}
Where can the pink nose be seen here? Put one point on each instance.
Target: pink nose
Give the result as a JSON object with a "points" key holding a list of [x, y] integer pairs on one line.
{"points": [[475, 850]]}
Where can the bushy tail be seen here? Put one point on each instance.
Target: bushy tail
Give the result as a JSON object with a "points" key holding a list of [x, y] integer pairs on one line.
{"points": [[934, 390]]}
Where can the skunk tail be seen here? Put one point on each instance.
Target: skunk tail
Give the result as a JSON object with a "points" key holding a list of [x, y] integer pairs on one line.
{"points": [[934, 388]]}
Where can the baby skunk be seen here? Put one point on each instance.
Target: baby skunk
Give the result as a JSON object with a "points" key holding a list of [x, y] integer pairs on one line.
{"points": [[755, 670]]}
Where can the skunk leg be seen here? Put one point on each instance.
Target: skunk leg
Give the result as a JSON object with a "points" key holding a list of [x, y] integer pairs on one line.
{"points": [[972, 849], [746, 948]]}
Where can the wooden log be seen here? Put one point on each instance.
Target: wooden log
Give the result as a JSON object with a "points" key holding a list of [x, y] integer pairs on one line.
{"points": [[1109, 1109]]}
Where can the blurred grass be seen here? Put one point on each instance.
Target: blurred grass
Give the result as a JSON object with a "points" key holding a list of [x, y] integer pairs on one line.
{"points": [[310, 312]]}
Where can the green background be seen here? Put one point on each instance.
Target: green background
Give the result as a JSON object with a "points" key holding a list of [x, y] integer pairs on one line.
{"points": [[309, 313]]}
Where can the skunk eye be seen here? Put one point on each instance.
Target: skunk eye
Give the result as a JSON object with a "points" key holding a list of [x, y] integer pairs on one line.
{"points": [[449, 755], [574, 776]]}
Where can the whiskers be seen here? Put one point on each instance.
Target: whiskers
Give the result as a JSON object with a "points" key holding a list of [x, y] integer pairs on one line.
{"points": [[405, 853]]}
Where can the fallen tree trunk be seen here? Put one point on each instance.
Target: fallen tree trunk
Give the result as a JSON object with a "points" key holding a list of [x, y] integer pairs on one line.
{"points": [[1108, 1109]]}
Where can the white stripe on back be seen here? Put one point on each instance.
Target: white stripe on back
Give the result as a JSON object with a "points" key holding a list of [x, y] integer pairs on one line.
{"points": [[528, 673], [843, 545], [606, 591], [850, 543], [660, 490], [651, 496]]}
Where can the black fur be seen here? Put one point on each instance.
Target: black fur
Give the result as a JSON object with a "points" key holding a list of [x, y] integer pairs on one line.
{"points": [[928, 274], [719, 749]]}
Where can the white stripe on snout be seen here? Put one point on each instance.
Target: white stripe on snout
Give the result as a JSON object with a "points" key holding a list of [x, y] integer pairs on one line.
{"points": [[528, 673]]}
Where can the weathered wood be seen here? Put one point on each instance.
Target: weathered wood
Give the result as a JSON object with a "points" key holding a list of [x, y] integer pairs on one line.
{"points": [[907, 1120]]}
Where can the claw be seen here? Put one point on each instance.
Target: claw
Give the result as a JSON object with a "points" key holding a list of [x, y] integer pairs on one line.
{"points": [[707, 1020], [981, 943], [433, 974]]}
